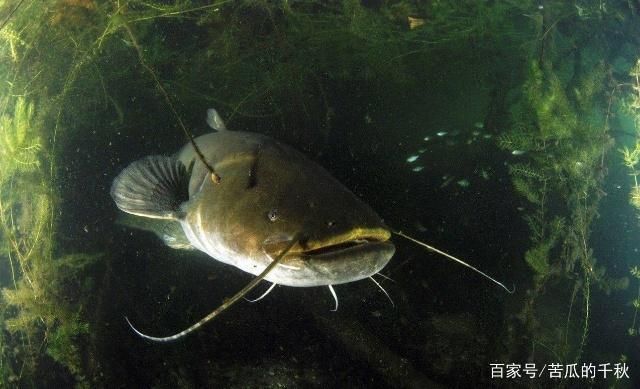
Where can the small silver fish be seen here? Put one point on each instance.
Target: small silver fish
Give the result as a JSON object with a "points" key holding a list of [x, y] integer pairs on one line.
{"points": [[463, 183], [442, 133], [518, 152], [412, 158], [418, 168]]}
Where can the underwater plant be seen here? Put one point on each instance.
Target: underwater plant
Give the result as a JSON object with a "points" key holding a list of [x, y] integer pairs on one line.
{"points": [[562, 133], [631, 159], [633, 330], [43, 290], [41, 301], [19, 146]]}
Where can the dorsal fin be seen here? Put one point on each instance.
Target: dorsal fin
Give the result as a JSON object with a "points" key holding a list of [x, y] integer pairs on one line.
{"points": [[214, 120], [154, 187]]}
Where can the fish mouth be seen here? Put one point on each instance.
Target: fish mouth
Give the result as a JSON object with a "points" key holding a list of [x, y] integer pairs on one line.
{"points": [[342, 258], [344, 242], [341, 248], [349, 258], [348, 242]]}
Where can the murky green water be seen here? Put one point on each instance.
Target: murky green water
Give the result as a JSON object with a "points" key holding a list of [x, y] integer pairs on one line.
{"points": [[501, 132]]}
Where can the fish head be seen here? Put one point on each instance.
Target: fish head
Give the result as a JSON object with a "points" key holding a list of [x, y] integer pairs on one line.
{"points": [[281, 195]]}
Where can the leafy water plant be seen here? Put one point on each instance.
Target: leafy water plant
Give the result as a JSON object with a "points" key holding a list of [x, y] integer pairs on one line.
{"points": [[19, 145], [633, 330], [42, 299], [631, 159], [562, 131], [43, 291]]}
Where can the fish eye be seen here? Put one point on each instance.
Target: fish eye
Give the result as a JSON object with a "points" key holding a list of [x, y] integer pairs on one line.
{"points": [[273, 215]]}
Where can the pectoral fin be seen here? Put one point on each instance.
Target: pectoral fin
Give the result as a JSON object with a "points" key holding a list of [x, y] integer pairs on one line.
{"points": [[154, 187]]}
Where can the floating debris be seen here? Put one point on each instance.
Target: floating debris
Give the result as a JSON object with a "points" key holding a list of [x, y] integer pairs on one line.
{"points": [[418, 168], [518, 152], [442, 133], [414, 22], [412, 158], [463, 183]]}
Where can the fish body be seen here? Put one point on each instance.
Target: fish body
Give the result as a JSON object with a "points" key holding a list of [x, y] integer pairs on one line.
{"points": [[268, 193]]}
